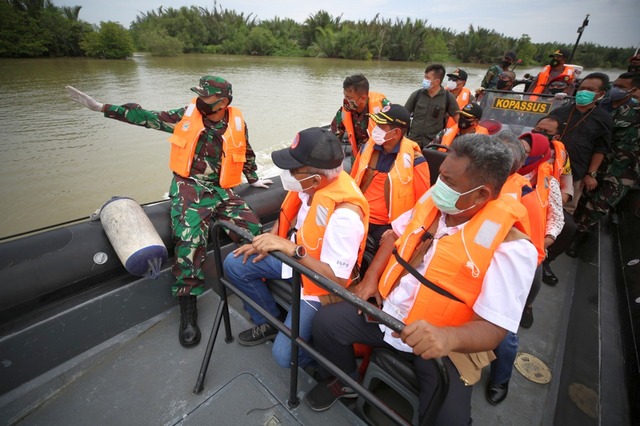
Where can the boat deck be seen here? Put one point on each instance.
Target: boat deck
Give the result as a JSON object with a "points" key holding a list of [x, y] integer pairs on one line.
{"points": [[143, 376], [139, 374]]}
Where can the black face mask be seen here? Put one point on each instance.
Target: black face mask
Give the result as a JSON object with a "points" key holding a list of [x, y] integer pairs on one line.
{"points": [[207, 109], [502, 84], [555, 90], [505, 64], [554, 62], [463, 123], [633, 68]]}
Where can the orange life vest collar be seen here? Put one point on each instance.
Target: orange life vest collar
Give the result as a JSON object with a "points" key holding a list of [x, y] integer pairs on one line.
{"points": [[374, 105], [452, 132], [184, 141], [310, 234], [400, 197], [567, 75], [459, 262]]}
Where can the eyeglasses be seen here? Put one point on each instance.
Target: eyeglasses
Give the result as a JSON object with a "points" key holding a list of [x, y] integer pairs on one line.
{"points": [[453, 79]]}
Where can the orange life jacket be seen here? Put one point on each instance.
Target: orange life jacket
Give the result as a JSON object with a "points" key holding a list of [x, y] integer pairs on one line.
{"points": [[452, 265], [463, 98], [537, 203], [310, 234], [452, 132], [543, 79], [399, 192], [560, 158], [184, 141], [374, 106], [512, 188]]}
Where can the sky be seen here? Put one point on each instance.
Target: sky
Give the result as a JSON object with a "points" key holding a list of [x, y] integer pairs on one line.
{"points": [[613, 23]]}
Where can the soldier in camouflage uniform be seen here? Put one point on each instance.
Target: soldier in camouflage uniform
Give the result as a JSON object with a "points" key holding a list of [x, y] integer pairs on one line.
{"points": [[621, 168], [197, 195], [490, 80]]}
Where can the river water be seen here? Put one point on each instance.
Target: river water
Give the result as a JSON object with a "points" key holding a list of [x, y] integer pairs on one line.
{"points": [[60, 161]]}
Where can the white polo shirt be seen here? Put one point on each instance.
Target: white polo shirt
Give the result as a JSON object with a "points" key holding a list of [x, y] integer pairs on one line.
{"points": [[341, 241]]}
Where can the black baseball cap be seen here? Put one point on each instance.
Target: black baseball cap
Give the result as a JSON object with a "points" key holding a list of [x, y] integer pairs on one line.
{"points": [[313, 147], [511, 55], [561, 52], [394, 114], [458, 73], [471, 110]]}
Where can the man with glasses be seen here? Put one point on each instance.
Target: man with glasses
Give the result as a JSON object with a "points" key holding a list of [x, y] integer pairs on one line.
{"points": [[352, 118], [430, 107]]}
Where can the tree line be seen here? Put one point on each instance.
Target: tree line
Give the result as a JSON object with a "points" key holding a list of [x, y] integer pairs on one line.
{"points": [[38, 28]]}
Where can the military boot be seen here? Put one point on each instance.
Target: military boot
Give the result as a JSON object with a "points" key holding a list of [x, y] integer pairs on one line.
{"points": [[189, 334]]}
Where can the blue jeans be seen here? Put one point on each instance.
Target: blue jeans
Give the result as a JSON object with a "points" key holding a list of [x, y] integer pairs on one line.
{"points": [[502, 366], [282, 346], [247, 277]]}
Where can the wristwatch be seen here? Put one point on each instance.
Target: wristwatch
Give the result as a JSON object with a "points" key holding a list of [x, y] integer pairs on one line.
{"points": [[299, 253], [593, 174]]}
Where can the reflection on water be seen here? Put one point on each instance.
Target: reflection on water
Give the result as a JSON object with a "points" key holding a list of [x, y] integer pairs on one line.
{"points": [[61, 162]]}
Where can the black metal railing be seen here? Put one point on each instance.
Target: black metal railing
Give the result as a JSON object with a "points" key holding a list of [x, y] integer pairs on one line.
{"points": [[293, 332]]}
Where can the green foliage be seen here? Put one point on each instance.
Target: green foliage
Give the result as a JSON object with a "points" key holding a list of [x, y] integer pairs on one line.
{"points": [[261, 41], [19, 35], [112, 41], [31, 28], [159, 43]]}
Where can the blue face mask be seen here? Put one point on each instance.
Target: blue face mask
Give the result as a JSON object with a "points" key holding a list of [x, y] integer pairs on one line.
{"points": [[446, 198], [585, 97], [426, 84]]}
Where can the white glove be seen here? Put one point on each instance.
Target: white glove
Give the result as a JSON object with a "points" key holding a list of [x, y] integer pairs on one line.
{"points": [[560, 96], [262, 183], [83, 99]]}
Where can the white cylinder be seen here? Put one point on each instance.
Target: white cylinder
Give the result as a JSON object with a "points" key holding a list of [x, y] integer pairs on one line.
{"points": [[133, 236]]}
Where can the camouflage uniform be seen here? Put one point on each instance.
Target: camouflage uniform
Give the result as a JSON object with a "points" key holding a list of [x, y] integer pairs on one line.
{"points": [[490, 80], [196, 200], [619, 171]]}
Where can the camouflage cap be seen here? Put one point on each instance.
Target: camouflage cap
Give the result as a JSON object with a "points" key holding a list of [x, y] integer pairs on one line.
{"points": [[211, 85]]}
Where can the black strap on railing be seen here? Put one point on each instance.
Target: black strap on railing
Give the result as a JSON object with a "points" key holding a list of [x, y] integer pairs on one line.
{"points": [[297, 342], [423, 280]]}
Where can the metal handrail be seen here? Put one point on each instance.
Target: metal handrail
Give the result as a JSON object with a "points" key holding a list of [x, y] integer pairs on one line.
{"points": [[298, 269]]}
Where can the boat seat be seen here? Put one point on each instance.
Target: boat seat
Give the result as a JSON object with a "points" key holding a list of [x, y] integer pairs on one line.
{"points": [[434, 158], [397, 373]]}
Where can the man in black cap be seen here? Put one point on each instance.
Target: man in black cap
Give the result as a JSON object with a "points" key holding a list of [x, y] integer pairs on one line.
{"points": [[390, 169], [456, 85], [468, 123], [207, 138], [322, 224], [557, 70], [490, 80]]}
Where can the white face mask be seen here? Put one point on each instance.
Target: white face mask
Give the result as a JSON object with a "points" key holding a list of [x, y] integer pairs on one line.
{"points": [[378, 135], [290, 183], [451, 85]]}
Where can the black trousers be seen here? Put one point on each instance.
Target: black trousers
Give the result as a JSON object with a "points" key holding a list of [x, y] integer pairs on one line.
{"points": [[338, 326], [564, 239]]}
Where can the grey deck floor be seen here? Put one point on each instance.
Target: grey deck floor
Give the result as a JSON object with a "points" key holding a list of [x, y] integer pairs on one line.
{"points": [[144, 377]]}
